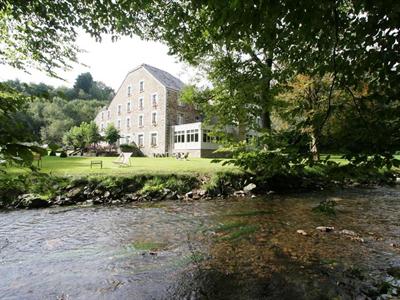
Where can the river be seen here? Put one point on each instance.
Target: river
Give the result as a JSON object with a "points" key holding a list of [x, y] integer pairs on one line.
{"points": [[239, 248]]}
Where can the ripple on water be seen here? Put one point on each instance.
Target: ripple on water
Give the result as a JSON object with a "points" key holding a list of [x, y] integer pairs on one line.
{"points": [[244, 247]]}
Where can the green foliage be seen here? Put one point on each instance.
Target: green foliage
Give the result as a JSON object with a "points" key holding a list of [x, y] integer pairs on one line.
{"points": [[53, 111], [84, 135], [36, 183], [136, 152], [176, 184], [15, 140], [83, 82], [53, 147], [223, 182], [93, 90], [244, 47], [127, 147], [42, 33], [111, 134]]}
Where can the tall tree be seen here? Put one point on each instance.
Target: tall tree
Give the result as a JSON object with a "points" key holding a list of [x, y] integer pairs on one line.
{"points": [[83, 82], [111, 134]]}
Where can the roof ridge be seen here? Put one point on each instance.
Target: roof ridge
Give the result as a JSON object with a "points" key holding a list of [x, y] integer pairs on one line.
{"points": [[166, 78]]}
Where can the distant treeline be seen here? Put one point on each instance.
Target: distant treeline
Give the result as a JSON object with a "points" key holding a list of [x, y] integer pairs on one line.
{"points": [[53, 111]]}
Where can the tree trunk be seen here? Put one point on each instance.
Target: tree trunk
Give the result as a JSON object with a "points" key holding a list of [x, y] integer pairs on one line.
{"points": [[266, 99], [242, 132], [314, 147]]}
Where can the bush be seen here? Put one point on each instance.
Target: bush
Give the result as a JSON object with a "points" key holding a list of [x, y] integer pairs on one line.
{"points": [[53, 147], [63, 154], [44, 185], [131, 148], [52, 153], [176, 184]]}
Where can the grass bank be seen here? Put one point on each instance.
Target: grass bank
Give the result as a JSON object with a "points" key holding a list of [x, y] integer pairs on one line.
{"points": [[80, 166], [69, 181]]}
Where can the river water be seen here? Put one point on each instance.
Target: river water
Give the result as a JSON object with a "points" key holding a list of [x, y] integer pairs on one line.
{"points": [[240, 248]]}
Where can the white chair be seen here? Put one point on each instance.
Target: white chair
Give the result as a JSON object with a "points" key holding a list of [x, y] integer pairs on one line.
{"points": [[124, 159]]}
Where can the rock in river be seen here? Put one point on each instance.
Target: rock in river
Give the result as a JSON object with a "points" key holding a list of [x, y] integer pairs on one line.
{"points": [[31, 201], [249, 188], [302, 232], [325, 228], [74, 192]]}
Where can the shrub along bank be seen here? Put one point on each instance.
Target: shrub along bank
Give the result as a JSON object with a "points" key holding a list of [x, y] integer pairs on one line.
{"points": [[37, 190]]}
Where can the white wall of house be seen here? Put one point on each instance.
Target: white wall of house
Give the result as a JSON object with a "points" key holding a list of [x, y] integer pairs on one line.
{"points": [[193, 138]]}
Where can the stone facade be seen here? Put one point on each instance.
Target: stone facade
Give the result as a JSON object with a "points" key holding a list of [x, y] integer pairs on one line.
{"points": [[145, 107]]}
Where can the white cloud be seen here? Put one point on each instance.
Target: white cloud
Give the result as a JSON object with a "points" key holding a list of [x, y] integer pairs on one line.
{"points": [[108, 62]]}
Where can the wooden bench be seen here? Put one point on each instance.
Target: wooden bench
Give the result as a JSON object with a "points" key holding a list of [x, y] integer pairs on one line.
{"points": [[96, 162]]}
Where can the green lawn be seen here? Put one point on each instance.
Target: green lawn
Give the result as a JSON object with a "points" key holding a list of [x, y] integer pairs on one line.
{"points": [[140, 165]]}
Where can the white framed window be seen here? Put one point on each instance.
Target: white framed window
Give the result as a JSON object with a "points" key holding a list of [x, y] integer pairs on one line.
{"points": [[154, 118], [154, 100], [127, 139], [179, 136], [180, 103], [102, 115], [128, 106], [192, 135], [141, 103], [119, 124], [119, 109], [129, 90], [128, 122], [102, 126], [141, 86], [141, 120], [180, 119], [109, 114], [153, 139], [140, 140]]}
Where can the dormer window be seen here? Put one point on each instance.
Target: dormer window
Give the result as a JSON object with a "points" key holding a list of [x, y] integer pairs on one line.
{"points": [[154, 100], [129, 90], [141, 86]]}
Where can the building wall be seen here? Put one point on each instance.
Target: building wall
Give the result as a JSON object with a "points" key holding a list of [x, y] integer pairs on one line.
{"points": [[174, 107], [151, 86]]}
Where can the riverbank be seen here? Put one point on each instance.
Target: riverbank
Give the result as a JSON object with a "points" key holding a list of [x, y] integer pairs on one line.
{"points": [[39, 190]]}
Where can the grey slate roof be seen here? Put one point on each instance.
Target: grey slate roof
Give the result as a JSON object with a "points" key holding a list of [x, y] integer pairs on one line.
{"points": [[165, 78]]}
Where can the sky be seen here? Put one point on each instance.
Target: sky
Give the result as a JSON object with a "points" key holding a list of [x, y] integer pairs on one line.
{"points": [[108, 62]]}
